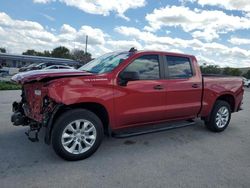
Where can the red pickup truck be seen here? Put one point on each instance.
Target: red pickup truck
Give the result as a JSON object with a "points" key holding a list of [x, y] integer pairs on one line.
{"points": [[122, 94]]}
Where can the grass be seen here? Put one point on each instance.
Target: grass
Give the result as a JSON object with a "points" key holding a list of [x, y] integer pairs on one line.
{"points": [[7, 85]]}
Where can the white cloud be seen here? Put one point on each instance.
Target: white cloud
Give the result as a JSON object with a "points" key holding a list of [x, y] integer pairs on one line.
{"points": [[42, 1], [150, 38], [202, 60], [6, 21], [213, 53], [239, 41], [241, 5], [207, 34], [102, 7], [247, 15], [124, 44], [48, 17], [19, 35], [202, 24], [67, 29], [95, 35]]}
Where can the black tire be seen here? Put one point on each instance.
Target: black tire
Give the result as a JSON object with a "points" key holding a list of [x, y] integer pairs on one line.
{"points": [[64, 120], [211, 123]]}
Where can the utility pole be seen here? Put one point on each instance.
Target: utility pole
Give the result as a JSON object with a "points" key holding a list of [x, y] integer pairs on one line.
{"points": [[86, 45]]}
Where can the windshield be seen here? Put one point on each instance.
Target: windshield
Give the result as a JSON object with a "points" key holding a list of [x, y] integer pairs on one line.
{"points": [[105, 63]]}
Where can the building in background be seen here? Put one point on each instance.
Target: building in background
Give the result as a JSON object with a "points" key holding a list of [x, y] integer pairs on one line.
{"points": [[18, 61]]}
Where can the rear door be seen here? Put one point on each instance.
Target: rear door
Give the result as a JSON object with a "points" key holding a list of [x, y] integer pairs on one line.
{"points": [[141, 101], [183, 86]]}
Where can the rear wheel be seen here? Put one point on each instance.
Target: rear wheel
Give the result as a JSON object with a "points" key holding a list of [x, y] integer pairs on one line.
{"points": [[77, 134], [220, 117]]}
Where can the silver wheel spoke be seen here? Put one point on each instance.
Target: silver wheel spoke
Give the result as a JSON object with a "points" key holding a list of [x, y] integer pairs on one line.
{"points": [[219, 123], [67, 142], [89, 130], [87, 144], [78, 123], [91, 137], [71, 128], [79, 147], [73, 147], [85, 125], [225, 112], [66, 135]]}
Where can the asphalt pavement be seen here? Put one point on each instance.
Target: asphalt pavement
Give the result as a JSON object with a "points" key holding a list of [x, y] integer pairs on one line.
{"points": [[186, 157]]}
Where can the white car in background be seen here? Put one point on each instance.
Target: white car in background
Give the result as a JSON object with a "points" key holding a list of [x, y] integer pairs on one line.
{"points": [[246, 82]]}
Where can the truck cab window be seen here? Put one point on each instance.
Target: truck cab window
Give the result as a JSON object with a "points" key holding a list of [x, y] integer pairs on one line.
{"points": [[146, 66], [179, 67]]}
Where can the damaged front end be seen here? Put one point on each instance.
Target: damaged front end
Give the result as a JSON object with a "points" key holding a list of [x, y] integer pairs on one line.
{"points": [[36, 108], [33, 109]]}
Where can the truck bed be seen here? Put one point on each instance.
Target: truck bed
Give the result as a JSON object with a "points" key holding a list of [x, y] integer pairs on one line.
{"points": [[220, 85]]}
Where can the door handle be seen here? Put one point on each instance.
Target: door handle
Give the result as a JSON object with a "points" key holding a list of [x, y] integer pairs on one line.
{"points": [[195, 85], [158, 87]]}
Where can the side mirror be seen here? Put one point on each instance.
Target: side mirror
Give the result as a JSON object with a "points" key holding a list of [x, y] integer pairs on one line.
{"points": [[127, 76]]}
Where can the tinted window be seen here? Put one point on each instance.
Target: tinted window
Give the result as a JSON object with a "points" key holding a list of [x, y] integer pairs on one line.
{"points": [[179, 67], [146, 66]]}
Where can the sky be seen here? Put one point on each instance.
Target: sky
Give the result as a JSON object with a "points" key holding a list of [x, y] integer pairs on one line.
{"points": [[216, 32]]}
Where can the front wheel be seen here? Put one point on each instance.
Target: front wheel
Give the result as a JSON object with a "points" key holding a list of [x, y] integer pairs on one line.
{"points": [[77, 134], [220, 117]]}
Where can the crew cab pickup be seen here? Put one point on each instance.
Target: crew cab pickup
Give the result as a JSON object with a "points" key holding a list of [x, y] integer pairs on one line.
{"points": [[122, 94]]}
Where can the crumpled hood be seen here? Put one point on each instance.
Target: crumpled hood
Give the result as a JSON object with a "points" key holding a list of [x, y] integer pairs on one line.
{"points": [[38, 75]]}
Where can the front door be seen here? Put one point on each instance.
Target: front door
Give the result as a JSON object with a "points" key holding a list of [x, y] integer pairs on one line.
{"points": [[141, 101]]}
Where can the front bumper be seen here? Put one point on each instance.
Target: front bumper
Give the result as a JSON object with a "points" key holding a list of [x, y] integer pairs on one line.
{"points": [[18, 117]]}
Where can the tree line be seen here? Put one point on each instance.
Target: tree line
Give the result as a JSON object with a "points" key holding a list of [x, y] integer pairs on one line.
{"points": [[215, 69], [59, 52]]}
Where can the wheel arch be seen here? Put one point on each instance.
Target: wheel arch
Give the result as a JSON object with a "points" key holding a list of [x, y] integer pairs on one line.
{"points": [[97, 108], [229, 98]]}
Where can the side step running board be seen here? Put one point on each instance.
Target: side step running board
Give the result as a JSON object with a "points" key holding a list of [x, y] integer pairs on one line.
{"points": [[141, 131]]}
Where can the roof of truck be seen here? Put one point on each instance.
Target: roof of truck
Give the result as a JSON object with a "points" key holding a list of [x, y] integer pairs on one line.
{"points": [[133, 50]]}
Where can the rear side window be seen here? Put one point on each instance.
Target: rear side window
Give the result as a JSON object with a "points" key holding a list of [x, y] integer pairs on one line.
{"points": [[146, 66], [179, 67]]}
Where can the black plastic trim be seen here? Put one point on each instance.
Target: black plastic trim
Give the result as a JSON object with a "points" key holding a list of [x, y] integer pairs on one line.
{"points": [[154, 130], [49, 124]]}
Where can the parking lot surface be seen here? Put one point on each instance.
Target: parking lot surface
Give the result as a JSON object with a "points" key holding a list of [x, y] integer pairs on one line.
{"points": [[187, 157]]}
